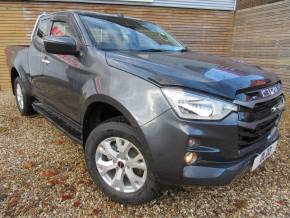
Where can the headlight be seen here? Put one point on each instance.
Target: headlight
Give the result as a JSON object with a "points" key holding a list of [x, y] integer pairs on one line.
{"points": [[194, 106]]}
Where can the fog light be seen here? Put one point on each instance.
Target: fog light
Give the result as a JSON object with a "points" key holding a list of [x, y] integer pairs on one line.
{"points": [[190, 157], [191, 142]]}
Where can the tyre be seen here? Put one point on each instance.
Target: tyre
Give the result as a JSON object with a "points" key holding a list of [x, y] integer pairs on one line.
{"points": [[23, 100], [120, 165]]}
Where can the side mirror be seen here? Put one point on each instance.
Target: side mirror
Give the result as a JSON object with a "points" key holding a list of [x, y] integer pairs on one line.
{"points": [[64, 45]]}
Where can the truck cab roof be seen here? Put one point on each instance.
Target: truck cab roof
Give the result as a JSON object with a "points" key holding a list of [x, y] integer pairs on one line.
{"points": [[86, 13]]}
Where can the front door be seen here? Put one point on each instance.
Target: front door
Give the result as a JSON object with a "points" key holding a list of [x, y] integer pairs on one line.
{"points": [[35, 56], [62, 74]]}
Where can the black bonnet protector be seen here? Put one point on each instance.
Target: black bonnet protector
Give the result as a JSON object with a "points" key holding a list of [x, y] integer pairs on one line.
{"points": [[208, 74]]}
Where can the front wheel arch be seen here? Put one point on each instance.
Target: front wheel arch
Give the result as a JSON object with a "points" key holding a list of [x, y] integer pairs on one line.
{"points": [[106, 100]]}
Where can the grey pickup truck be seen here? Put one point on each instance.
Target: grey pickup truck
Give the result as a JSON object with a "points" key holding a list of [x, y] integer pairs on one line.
{"points": [[148, 111]]}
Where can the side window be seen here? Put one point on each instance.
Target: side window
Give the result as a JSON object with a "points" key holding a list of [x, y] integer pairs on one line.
{"points": [[43, 28], [100, 35], [60, 28]]}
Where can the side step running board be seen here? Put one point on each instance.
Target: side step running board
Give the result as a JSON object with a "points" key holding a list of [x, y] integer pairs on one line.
{"points": [[58, 121]]}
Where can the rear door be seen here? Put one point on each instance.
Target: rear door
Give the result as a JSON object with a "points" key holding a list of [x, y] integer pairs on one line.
{"points": [[35, 55], [62, 73]]}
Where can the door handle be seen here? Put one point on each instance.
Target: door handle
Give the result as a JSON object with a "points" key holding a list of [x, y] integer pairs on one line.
{"points": [[45, 60]]}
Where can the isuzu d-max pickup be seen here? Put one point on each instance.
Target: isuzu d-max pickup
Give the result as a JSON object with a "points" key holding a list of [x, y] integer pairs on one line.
{"points": [[148, 111]]}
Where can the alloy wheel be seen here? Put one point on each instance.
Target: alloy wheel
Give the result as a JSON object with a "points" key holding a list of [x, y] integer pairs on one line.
{"points": [[121, 164]]}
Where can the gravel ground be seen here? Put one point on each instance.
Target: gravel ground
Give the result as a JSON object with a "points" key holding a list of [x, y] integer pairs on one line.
{"points": [[42, 173]]}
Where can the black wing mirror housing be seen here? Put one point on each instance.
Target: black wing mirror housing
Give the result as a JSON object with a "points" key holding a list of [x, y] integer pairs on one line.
{"points": [[64, 45]]}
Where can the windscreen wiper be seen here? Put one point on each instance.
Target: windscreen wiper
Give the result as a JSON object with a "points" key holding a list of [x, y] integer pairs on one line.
{"points": [[162, 50], [152, 50]]}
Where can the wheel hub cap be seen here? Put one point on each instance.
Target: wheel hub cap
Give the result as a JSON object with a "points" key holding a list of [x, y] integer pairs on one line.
{"points": [[121, 164]]}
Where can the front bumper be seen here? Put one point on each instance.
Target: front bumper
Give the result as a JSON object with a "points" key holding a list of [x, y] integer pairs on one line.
{"points": [[219, 173], [220, 158]]}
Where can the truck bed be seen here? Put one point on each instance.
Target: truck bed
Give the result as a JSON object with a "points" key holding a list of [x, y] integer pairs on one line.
{"points": [[12, 51]]}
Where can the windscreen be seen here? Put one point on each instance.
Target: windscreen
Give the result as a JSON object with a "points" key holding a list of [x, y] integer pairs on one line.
{"points": [[118, 33]]}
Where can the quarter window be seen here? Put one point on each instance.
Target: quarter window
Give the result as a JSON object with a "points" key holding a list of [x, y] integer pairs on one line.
{"points": [[43, 28]]}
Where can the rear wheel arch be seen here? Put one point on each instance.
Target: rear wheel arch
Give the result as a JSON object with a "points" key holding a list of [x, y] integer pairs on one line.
{"points": [[13, 75], [19, 72]]}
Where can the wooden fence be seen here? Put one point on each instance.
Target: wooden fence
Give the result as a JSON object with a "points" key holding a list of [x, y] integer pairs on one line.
{"points": [[262, 37]]}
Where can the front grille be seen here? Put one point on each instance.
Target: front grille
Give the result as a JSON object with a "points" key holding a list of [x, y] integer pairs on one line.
{"points": [[248, 136], [251, 136], [260, 111]]}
